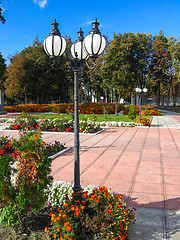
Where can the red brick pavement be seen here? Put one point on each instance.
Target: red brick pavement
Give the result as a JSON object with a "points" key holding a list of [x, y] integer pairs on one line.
{"points": [[143, 164]]}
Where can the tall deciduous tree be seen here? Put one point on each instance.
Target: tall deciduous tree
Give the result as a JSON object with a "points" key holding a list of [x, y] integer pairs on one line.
{"points": [[15, 76], [127, 62], [174, 50], [39, 81], [160, 63]]}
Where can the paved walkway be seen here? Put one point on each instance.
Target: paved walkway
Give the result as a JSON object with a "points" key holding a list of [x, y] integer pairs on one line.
{"points": [[141, 163]]}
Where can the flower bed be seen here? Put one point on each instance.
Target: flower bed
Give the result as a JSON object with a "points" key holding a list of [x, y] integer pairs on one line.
{"points": [[26, 122], [145, 121], [86, 108], [146, 111], [93, 213], [10, 146]]}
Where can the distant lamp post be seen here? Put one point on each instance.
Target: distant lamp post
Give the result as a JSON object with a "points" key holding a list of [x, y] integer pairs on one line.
{"points": [[89, 47], [139, 91]]}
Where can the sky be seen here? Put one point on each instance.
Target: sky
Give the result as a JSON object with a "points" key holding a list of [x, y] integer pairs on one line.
{"points": [[27, 19]]}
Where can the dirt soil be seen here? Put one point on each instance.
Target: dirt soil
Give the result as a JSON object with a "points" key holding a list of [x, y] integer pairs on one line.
{"points": [[37, 224]]}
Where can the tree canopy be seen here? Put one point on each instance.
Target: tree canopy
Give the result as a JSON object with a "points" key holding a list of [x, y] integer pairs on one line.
{"points": [[130, 60]]}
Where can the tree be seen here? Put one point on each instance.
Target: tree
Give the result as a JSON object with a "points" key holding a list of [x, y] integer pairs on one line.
{"points": [[15, 74], [2, 72], [174, 73], [160, 64], [127, 62], [35, 78], [1, 17]]}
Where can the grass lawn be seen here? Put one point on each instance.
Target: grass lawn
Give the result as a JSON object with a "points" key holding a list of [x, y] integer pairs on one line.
{"points": [[97, 117]]}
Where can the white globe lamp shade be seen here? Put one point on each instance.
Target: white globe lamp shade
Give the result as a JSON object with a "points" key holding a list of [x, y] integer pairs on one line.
{"points": [[145, 90], [94, 43], [77, 49], [54, 44], [138, 90]]}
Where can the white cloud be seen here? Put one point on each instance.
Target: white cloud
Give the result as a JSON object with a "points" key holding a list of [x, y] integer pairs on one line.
{"points": [[41, 3]]}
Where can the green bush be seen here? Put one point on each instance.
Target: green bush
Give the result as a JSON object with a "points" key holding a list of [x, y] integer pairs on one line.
{"points": [[132, 112], [24, 177]]}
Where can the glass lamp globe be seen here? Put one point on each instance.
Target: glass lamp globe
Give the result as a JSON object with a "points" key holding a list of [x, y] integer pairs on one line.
{"points": [[94, 43], [145, 90], [78, 48], [138, 90], [54, 44]]}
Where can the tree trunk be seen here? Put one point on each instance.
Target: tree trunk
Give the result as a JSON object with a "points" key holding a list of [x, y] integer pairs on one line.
{"points": [[159, 93]]}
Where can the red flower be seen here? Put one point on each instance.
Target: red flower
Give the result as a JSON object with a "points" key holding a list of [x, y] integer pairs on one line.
{"points": [[109, 210], [85, 195], [93, 196], [121, 227], [15, 154], [1, 152]]}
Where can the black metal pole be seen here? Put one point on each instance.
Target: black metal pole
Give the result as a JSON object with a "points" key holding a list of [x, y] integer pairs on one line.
{"points": [[77, 186]]}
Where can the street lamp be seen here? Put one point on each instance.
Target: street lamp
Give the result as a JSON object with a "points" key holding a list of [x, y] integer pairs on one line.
{"points": [[139, 91], [89, 47]]}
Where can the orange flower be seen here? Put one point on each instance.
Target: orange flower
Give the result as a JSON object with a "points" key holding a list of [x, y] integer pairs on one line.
{"points": [[66, 224], [93, 196], [82, 207], [72, 208], [103, 224], [83, 202], [68, 228], [66, 204], [118, 206], [66, 236], [55, 236], [58, 229], [77, 213], [97, 201], [76, 209], [50, 213], [64, 215], [85, 195], [109, 210]]}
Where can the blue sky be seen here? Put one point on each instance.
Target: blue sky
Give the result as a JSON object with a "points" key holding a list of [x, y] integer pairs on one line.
{"points": [[26, 19]]}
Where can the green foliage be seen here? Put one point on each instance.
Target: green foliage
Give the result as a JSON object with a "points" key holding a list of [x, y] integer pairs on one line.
{"points": [[23, 179], [132, 112], [31, 78], [127, 62]]}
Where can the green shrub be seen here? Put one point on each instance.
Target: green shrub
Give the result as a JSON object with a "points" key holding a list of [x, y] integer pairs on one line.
{"points": [[24, 177], [132, 112]]}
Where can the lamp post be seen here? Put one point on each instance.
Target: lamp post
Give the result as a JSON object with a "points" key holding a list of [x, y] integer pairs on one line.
{"points": [[89, 47], [139, 91]]}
